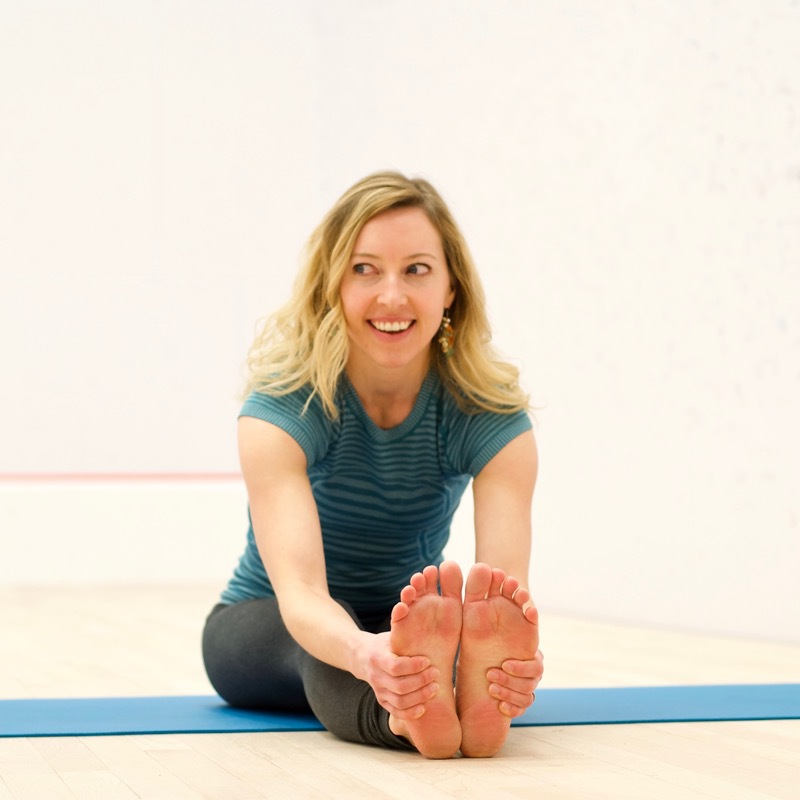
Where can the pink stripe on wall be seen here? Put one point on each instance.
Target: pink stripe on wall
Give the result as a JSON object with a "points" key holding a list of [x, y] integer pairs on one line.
{"points": [[119, 477]]}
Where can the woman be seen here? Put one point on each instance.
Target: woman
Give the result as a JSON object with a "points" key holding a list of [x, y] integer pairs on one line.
{"points": [[374, 398]]}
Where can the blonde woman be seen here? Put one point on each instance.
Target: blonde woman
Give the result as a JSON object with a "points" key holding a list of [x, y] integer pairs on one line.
{"points": [[374, 398]]}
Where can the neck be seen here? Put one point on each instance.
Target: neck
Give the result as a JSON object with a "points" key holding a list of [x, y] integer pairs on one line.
{"points": [[388, 396]]}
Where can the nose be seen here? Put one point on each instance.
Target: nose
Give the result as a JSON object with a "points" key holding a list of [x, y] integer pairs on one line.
{"points": [[392, 292]]}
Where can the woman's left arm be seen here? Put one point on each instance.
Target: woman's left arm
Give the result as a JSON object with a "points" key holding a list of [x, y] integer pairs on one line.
{"points": [[503, 493]]}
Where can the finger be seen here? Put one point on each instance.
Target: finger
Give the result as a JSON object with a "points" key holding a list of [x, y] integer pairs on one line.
{"points": [[404, 713], [524, 669], [398, 666], [509, 710], [509, 696], [511, 682], [411, 683], [408, 701]]}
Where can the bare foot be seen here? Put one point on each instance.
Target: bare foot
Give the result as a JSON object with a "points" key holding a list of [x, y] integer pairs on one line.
{"points": [[494, 629], [425, 623]]}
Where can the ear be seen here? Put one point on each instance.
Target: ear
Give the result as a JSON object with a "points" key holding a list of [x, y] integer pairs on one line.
{"points": [[450, 297]]}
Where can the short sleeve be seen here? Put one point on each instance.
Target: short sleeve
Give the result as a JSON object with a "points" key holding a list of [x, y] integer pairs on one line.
{"points": [[474, 440], [309, 427]]}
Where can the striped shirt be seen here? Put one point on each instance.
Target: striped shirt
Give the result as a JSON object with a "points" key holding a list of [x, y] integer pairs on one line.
{"points": [[385, 497]]}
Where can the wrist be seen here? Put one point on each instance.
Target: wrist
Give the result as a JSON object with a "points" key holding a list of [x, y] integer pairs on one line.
{"points": [[358, 648]]}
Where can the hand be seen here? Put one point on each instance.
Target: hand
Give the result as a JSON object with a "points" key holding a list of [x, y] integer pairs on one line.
{"points": [[402, 684], [514, 685]]}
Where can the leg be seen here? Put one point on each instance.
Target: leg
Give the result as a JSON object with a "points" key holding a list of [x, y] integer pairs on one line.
{"points": [[495, 628], [252, 661], [427, 623], [347, 707]]}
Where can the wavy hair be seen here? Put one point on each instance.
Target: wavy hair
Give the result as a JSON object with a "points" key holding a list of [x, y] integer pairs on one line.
{"points": [[305, 342]]}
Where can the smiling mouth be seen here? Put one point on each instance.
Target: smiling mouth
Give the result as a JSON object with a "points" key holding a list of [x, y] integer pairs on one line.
{"points": [[392, 327]]}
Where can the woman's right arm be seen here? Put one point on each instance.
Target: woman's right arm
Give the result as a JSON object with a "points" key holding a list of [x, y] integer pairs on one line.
{"points": [[287, 531]]}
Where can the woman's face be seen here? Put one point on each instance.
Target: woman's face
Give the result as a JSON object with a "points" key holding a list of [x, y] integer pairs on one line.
{"points": [[393, 294]]}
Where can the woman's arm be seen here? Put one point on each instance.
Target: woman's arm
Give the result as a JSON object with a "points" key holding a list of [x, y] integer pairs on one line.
{"points": [[287, 531], [503, 493]]}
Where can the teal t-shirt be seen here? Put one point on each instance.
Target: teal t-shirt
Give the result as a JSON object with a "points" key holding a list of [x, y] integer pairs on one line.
{"points": [[385, 497]]}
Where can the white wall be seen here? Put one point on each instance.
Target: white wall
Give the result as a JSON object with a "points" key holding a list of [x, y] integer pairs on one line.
{"points": [[628, 174]]}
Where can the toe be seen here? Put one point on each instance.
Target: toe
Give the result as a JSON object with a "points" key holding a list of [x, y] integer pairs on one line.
{"points": [[399, 612], [450, 579], [521, 597], [510, 586], [431, 575], [408, 594], [498, 579], [419, 583], [478, 582]]}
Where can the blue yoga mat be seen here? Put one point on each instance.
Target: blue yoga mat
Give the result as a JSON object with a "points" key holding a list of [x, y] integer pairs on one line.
{"points": [[209, 714]]}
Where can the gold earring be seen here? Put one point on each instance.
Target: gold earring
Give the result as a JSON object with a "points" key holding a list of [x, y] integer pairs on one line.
{"points": [[447, 334]]}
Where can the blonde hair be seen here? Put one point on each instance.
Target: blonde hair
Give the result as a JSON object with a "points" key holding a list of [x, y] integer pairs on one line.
{"points": [[305, 342]]}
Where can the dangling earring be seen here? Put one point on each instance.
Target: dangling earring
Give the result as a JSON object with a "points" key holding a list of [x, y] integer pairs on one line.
{"points": [[447, 334]]}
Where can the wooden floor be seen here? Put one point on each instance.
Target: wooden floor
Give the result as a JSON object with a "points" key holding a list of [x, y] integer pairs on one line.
{"points": [[129, 641]]}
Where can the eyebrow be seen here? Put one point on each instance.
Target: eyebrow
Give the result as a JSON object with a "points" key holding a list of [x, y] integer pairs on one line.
{"points": [[378, 258]]}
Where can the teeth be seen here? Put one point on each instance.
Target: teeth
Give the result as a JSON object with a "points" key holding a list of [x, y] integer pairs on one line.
{"points": [[392, 327]]}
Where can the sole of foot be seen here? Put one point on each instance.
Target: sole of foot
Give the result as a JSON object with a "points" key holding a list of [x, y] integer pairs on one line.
{"points": [[427, 623], [494, 628]]}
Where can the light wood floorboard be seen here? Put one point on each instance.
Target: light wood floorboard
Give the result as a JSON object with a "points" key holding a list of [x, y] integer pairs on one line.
{"points": [[135, 641]]}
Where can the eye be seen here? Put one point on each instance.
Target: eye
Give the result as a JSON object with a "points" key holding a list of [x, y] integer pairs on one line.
{"points": [[362, 269], [418, 269]]}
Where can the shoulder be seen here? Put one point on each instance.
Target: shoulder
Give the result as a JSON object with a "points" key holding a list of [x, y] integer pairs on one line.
{"points": [[298, 413], [264, 402], [474, 438]]}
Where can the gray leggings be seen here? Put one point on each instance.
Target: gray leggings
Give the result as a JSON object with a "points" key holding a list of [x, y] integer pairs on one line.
{"points": [[253, 662]]}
